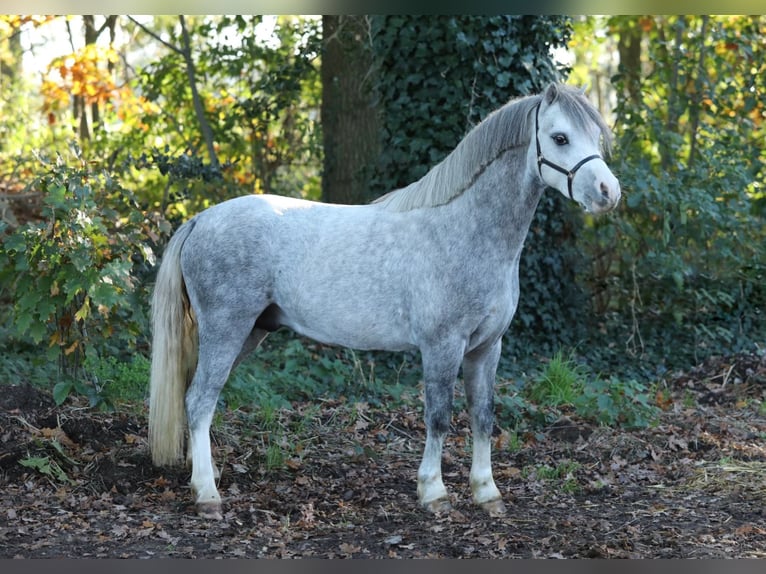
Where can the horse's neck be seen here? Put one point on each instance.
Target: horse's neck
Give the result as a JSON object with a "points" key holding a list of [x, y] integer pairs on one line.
{"points": [[502, 201]]}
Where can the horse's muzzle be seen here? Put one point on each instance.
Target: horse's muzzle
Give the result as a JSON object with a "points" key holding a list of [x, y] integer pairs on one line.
{"points": [[605, 196]]}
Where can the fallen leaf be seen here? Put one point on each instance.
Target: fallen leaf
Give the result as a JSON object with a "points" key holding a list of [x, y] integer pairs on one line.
{"points": [[349, 548]]}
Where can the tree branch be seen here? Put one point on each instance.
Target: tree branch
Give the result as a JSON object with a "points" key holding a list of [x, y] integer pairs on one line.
{"points": [[185, 52], [156, 36]]}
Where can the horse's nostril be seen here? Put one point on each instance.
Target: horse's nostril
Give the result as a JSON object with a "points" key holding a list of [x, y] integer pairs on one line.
{"points": [[604, 190]]}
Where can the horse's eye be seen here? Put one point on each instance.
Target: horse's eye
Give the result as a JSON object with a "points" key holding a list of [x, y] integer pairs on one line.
{"points": [[560, 139]]}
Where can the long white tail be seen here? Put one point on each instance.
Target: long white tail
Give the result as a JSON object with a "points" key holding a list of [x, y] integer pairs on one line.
{"points": [[174, 355]]}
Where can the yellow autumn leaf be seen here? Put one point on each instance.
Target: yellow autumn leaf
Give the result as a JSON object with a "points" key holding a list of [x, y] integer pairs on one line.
{"points": [[84, 311]]}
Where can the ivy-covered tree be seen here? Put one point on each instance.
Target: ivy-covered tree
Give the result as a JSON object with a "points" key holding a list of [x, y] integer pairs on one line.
{"points": [[350, 118]]}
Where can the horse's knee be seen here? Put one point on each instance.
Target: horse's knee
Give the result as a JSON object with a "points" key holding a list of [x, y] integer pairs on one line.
{"points": [[438, 421]]}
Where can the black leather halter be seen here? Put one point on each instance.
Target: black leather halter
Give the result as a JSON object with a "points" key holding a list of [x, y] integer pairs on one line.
{"points": [[542, 160]]}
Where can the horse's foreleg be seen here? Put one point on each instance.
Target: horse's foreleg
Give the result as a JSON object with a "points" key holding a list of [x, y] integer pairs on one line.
{"points": [[216, 472], [439, 373], [479, 371], [431, 491]]}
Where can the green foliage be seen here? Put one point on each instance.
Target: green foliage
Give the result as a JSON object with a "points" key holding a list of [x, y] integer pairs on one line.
{"points": [[71, 276], [46, 466], [678, 275], [123, 380], [617, 402], [182, 167], [560, 383], [49, 465], [512, 409], [563, 384], [563, 473], [107, 382], [71, 385], [260, 96], [437, 76]]}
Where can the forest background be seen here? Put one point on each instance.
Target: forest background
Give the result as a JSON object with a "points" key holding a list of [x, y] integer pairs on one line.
{"points": [[136, 123]]}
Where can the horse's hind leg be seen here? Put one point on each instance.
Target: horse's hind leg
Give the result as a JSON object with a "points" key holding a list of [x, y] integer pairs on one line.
{"points": [[440, 368], [222, 340], [479, 370], [252, 342], [255, 338]]}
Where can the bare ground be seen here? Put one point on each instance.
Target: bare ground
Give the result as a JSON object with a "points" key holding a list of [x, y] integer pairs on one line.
{"points": [[337, 479]]}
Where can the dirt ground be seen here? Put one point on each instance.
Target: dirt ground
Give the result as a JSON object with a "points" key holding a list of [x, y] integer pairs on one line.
{"points": [[77, 483]]}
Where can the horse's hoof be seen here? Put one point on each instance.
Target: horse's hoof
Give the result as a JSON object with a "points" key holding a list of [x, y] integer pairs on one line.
{"points": [[210, 510], [494, 507], [438, 505]]}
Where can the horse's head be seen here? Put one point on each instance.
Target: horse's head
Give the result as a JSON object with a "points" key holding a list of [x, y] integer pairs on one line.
{"points": [[567, 146]]}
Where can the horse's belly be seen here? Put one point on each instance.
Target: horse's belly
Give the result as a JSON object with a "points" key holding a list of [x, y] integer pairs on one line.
{"points": [[344, 284], [350, 332]]}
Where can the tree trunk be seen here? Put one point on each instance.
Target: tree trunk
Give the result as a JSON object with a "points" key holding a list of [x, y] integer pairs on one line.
{"points": [[350, 120], [696, 101], [91, 37], [629, 48], [199, 108]]}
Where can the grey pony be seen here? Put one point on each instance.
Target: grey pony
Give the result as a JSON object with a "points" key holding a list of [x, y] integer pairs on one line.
{"points": [[430, 267]]}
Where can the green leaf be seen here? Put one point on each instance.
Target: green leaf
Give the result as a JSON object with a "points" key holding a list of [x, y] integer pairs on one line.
{"points": [[56, 197], [16, 242], [37, 330], [29, 301], [61, 391]]}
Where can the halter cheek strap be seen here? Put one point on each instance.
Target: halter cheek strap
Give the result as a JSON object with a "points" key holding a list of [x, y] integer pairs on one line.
{"points": [[541, 160]]}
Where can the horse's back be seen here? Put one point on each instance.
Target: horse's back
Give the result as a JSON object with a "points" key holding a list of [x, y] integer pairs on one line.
{"points": [[357, 276], [331, 272]]}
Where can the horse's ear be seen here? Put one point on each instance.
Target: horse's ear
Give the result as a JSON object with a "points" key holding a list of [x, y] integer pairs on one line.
{"points": [[551, 93]]}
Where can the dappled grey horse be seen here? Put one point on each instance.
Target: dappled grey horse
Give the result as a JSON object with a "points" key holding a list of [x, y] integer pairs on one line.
{"points": [[432, 266]]}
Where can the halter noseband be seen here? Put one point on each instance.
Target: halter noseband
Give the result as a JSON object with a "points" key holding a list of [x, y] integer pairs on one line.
{"points": [[542, 160]]}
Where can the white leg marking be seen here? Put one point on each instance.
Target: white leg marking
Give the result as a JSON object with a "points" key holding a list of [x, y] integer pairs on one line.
{"points": [[431, 491], [206, 495], [216, 472], [485, 492]]}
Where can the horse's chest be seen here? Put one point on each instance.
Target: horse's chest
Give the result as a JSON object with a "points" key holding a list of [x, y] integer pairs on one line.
{"points": [[497, 310]]}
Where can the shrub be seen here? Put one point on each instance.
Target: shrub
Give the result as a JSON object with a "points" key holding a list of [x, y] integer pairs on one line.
{"points": [[678, 273], [72, 275]]}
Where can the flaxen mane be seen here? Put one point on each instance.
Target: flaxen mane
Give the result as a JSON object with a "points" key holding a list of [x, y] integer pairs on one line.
{"points": [[507, 127]]}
